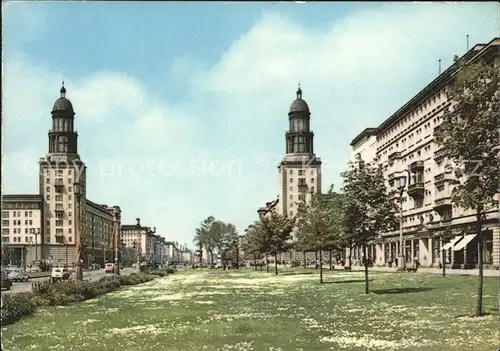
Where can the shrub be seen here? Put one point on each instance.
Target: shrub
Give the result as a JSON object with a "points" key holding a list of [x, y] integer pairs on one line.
{"points": [[16, 306]]}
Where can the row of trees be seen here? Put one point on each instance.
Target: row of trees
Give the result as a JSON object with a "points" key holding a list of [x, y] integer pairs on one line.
{"points": [[218, 237], [469, 136]]}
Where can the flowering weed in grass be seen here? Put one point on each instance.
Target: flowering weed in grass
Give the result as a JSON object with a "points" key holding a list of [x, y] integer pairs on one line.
{"points": [[248, 310]]}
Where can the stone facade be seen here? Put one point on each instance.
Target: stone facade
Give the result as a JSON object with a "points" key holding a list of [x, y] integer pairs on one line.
{"points": [[404, 145]]}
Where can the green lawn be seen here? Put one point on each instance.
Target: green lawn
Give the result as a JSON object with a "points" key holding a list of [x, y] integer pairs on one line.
{"points": [[247, 310]]}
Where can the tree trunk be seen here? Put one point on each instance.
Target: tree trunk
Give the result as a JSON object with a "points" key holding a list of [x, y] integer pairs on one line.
{"points": [[350, 255], [330, 258], [201, 257], [321, 266], [304, 257], [267, 263], [480, 244], [365, 262], [237, 258], [443, 262], [276, 263], [255, 261], [316, 258]]}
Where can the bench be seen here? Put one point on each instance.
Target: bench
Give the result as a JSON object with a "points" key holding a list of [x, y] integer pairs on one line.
{"points": [[347, 268], [411, 269]]}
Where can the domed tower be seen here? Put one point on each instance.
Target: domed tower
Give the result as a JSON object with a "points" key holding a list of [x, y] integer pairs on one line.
{"points": [[299, 173], [62, 137], [299, 138], [62, 187]]}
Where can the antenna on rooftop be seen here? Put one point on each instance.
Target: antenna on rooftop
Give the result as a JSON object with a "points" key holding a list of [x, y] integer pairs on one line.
{"points": [[439, 66], [467, 37]]}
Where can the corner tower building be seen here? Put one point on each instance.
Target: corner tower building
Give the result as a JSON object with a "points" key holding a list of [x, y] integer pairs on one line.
{"points": [[60, 170], [299, 173]]}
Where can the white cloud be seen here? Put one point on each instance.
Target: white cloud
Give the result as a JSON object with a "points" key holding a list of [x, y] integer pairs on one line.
{"points": [[354, 75]]}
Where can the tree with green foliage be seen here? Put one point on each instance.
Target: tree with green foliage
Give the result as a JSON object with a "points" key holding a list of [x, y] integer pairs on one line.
{"points": [[277, 230], [321, 224], [202, 237], [254, 242], [227, 242], [469, 136], [371, 208]]}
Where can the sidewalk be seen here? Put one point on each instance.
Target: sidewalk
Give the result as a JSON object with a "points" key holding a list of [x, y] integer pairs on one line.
{"points": [[486, 272]]}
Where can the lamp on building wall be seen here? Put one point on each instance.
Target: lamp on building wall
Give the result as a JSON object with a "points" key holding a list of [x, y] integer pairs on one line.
{"points": [[402, 182], [78, 196]]}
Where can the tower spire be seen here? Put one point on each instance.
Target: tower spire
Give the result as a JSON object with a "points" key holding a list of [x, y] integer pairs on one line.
{"points": [[63, 90], [299, 92]]}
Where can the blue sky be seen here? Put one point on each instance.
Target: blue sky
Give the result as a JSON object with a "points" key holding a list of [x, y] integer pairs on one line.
{"points": [[181, 108]]}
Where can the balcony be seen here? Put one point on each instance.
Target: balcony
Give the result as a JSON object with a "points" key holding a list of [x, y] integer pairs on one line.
{"points": [[394, 155], [442, 205], [439, 155], [59, 212], [59, 188], [417, 166], [303, 187], [416, 190], [440, 178]]}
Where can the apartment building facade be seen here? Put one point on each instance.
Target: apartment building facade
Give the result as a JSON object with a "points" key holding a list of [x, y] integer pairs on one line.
{"points": [[405, 145], [21, 223]]}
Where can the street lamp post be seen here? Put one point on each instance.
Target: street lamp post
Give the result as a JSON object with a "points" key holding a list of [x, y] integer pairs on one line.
{"points": [[78, 197], [138, 243], [117, 233], [37, 233], [402, 182]]}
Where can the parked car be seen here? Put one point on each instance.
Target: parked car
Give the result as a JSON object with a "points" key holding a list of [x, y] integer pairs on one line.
{"points": [[17, 275], [109, 268], [59, 273], [34, 268], [6, 282]]}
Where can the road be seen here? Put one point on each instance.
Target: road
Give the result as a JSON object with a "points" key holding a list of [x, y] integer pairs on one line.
{"points": [[87, 275]]}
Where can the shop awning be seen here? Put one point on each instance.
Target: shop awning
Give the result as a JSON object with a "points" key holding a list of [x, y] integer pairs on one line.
{"points": [[462, 244], [451, 243]]}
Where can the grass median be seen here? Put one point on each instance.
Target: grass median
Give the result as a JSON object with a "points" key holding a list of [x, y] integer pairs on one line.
{"points": [[248, 310]]}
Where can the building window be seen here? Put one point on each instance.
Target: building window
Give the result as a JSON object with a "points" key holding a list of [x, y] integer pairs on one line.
{"points": [[30, 214], [5, 223], [301, 172], [48, 197], [419, 203], [69, 222], [47, 180], [25, 213], [48, 189], [5, 231], [302, 197], [291, 180], [59, 223], [59, 172], [70, 239], [25, 230]]}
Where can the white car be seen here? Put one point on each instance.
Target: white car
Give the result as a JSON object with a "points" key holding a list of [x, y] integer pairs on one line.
{"points": [[59, 273]]}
